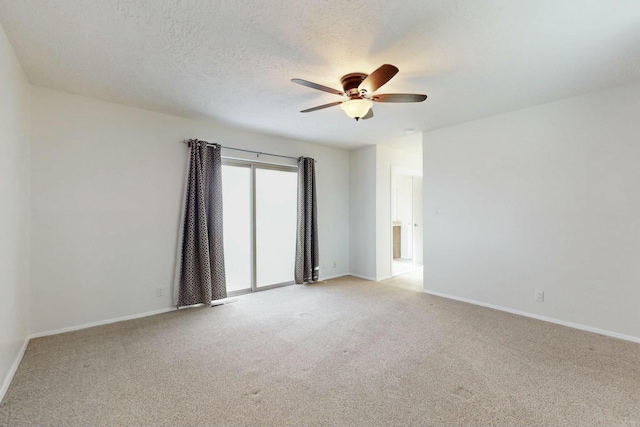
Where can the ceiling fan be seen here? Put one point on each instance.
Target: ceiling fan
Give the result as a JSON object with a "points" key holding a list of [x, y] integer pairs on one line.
{"points": [[358, 89]]}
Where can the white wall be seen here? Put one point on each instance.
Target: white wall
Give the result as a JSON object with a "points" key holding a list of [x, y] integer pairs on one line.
{"points": [[370, 206], [107, 184], [362, 212], [545, 198], [14, 210], [386, 158]]}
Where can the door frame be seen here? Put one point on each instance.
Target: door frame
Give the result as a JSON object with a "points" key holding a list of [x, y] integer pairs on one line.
{"points": [[399, 170]]}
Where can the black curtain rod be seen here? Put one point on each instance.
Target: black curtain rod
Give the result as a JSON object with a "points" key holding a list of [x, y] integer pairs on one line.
{"points": [[248, 151]]}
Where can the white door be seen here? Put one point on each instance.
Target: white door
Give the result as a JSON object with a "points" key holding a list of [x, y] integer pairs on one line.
{"points": [[417, 221]]}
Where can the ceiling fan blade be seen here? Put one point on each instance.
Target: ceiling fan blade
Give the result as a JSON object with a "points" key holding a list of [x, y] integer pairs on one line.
{"points": [[317, 86], [379, 77], [320, 107], [399, 97], [368, 115]]}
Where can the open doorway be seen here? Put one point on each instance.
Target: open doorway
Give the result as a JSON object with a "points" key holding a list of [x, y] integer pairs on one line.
{"points": [[406, 220]]}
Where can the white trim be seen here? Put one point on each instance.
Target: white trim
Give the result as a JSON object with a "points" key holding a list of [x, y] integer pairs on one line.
{"points": [[12, 371], [538, 317], [335, 276], [100, 322], [362, 277]]}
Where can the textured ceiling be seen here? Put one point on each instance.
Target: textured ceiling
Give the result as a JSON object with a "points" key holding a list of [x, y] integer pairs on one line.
{"points": [[232, 61]]}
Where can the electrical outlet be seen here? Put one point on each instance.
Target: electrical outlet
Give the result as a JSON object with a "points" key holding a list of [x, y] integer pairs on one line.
{"points": [[160, 292], [335, 264], [539, 296]]}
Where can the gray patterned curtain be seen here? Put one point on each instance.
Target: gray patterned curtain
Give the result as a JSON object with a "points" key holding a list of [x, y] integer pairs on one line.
{"points": [[307, 265], [202, 275]]}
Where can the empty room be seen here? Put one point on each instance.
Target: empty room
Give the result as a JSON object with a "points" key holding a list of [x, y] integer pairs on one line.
{"points": [[319, 213]]}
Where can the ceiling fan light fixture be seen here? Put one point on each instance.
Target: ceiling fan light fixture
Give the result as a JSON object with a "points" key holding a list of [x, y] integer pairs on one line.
{"points": [[356, 108]]}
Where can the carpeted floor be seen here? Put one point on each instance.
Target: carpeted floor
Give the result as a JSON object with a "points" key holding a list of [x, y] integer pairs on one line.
{"points": [[345, 353]]}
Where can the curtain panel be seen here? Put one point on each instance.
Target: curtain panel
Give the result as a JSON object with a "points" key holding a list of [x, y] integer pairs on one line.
{"points": [[202, 274], [307, 263]]}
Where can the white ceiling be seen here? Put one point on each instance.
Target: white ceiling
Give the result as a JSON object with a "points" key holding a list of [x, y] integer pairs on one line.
{"points": [[231, 61]]}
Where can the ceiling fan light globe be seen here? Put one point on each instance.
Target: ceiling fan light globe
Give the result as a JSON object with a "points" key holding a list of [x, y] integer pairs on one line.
{"points": [[356, 108]]}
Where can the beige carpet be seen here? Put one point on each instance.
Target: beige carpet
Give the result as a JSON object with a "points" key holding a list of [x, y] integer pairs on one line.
{"points": [[345, 353]]}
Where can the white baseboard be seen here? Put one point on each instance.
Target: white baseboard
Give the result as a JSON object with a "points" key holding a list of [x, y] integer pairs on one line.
{"points": [[99, 323], [335, 276], [538, 317], [14, 368], [373, 279]]}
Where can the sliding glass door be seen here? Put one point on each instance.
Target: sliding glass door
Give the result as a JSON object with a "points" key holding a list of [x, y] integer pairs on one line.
{"points": [[276, 203], [238, 228], [259, 203]]}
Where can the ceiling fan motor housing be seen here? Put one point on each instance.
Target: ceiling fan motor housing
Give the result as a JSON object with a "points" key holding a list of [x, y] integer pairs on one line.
{"points": [[350, 83]]}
